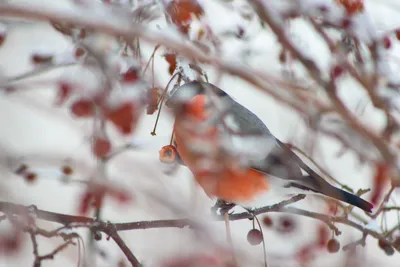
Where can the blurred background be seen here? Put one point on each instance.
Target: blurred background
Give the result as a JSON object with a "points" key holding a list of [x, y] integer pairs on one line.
{"points": [[35, 131]]}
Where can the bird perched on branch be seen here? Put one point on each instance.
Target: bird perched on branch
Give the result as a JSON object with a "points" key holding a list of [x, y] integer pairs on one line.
{"points": [[232, 154]]}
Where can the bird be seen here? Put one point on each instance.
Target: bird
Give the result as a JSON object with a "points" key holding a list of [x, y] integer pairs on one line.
{"points": [[204, 113]]}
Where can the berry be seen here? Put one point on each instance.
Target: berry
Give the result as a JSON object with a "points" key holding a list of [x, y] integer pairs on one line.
{"points": [[387, 43], [152, 98], [386, 247], [2, 38], [397, 32], [101, 147], [67, 170], [123, 117], [79, 51], [182, 11], [40, 59], [336, 72], [131, 75], [352, 6], [64, 91], [171, 59], [396, 243], [30, 177], [286, 224], [82, 108], [267, 221], [333, 245], [168, 154], [346, 23], [254, 237]]}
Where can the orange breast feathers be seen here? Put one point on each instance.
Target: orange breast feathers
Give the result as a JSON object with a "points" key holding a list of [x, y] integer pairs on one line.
{"points": [[197, 145]]}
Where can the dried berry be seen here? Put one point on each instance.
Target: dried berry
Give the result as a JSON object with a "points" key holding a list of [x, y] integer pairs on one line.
{"points": [[286, 224], [152, 98], [333, 245], [171, 59], [267, 221], [254, 237]]}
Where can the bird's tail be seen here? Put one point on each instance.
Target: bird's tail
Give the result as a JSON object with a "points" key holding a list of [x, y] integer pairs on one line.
{"points": [[351, 199], [329, 190]]}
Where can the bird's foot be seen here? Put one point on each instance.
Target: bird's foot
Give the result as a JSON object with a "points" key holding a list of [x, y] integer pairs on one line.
{"points": [[250, 211], [223, 207]]}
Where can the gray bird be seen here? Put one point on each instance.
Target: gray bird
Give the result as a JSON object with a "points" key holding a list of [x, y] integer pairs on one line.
{"points": [[278, 162]]}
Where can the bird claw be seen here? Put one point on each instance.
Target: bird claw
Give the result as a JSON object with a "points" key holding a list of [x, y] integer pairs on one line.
{"points": [[251, 212], [223, 207]]}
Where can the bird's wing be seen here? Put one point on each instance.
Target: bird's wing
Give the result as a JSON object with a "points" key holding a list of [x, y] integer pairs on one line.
{"points": [[280, 160]]}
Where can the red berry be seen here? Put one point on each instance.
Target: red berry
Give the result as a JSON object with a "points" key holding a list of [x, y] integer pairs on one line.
{"points": [[396, 243], [101, 147], [336, 72], [286, 224], [168, 154], [131, 75], [182, 12], [397, 32], [323, 235], [171, 59], [346, 23], [123, 117], [85, 201], [67, 170], [64, 91], [30, 177], [254, 237], [267, 221], [2, 38], [352, 6], [79, 51], [333, 245], [152, 98], [40, 59], [82, 108], [387, 43], [386, 247]]}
